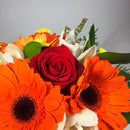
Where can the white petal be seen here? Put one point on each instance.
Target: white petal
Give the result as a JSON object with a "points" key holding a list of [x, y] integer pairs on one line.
{"points": [[79, 127], [70, 42], [61, 38], [70, 36], [82, 43], [60, 126], [90, 128], [2, 60], [14, 51], [87, 118], [71, 120], [84, 128], [7, 58], [75, 49], [89, 53]]}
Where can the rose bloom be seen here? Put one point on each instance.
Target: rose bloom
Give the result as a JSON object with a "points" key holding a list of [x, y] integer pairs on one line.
{"points": [[57, 65]]}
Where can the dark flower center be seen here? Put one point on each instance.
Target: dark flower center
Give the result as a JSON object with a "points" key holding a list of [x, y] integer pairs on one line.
{"points": [[24, 109], [91, 98]]}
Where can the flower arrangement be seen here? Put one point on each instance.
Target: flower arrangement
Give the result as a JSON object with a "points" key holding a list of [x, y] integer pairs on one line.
{"points": [[51, 82]]}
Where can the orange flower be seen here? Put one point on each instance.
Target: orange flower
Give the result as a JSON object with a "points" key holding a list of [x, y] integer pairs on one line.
{"points": [[101, 89], [26, 101], [2, 47], [52, 40]]}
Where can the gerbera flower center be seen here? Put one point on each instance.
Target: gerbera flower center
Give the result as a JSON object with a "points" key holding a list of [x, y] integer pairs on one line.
{"points": [[24, 108], [91, 98]]}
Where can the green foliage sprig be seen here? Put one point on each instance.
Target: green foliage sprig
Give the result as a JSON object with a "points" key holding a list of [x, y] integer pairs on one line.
{"points": [[80, 27]]}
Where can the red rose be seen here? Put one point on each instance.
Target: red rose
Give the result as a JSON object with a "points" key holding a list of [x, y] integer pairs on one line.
{"points": [[57, 65]]}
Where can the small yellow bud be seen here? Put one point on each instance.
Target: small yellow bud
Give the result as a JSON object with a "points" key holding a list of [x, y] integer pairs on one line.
{"points": [[38, 40], [44, 30], [76, 44], [101, 50]]}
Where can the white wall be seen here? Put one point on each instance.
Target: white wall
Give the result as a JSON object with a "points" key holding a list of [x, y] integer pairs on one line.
{"points": [[24, 17]]}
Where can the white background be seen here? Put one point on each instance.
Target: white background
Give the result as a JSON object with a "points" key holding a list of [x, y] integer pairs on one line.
{"points": [[112, 17]]}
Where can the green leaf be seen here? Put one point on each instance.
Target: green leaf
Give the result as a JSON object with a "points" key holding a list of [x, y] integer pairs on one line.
{"points": [[92, 35], [115, 58], [127, 116], [121, 67], [88, 45], [92, 38], [128, 83], [126, 74], [32, 49]]}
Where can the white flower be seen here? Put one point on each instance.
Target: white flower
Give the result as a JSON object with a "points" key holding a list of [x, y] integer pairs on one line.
{"points": [[11, 54], [14, 51], [5, 58], [89, 53], [85, 119], [77, 48], [84, 128]]}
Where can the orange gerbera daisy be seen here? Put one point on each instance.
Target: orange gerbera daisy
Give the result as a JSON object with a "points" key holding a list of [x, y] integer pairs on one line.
{"points": [[103, 91], [2, 47], [26, 101], [52, 40]]}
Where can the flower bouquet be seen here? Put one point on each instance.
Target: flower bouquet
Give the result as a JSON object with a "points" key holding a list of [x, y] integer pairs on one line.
{"points": [[63, 82]]}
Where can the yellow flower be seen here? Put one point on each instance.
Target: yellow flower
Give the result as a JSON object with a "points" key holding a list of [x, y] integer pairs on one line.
{"points": [[101, 50], [44, 30], [43, 44]]}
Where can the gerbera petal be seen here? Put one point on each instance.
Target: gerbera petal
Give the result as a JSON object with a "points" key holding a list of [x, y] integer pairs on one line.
{"points": [[107, 93], [103, 71], [48, 124], [53, 103], [109, 120], [5, 85], [22, 99], [53, 94], [22, 77], [8, 74], [74, 107], [91, 62]]}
